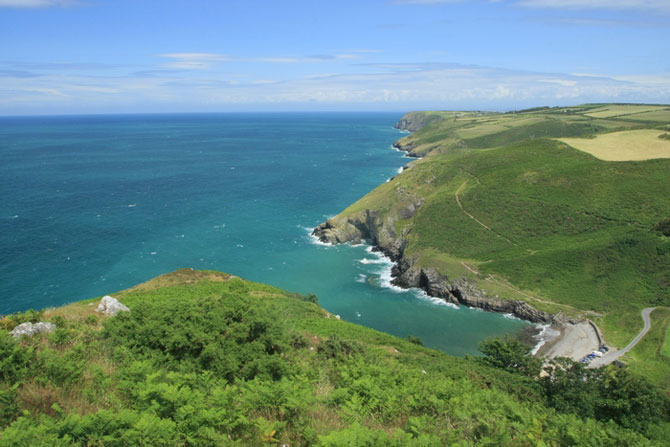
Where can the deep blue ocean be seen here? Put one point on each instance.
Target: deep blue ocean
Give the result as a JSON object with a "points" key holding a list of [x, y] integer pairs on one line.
{"points": [[95, 204]]}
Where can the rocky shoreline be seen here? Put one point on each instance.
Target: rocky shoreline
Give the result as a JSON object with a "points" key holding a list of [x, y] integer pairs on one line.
{"points": [[368, 227]]}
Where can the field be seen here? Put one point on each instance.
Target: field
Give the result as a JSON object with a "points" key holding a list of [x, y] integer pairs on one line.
{"points": [[527, 217], [627, 145], [624, 110]]}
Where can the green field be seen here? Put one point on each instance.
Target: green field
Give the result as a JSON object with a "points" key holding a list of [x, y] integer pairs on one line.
{"points": [[535, 219], [208, 359]]}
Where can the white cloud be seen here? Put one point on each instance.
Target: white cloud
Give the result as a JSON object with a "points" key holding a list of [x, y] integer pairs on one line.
{"points": [[204, 61], [368, 87], [193, 61], [654, 5], [35, 3]]}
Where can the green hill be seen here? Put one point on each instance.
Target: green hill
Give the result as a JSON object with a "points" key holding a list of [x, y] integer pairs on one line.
{"points": [[501, 204], [206, 359]]}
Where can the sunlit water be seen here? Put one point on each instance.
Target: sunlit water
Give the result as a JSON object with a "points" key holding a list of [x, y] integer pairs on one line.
{"points": [[95, 204]]}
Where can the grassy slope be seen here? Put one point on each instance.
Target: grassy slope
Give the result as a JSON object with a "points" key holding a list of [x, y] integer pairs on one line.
{"points": [[108, 381], [566, 231]]}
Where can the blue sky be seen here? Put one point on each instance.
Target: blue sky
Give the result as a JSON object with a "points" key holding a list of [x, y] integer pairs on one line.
{"points": [[111, 56]]}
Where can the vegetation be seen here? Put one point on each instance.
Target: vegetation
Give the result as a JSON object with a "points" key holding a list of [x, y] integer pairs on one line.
{"points": [[529, 217], [663, 227], [208, 359], [568, 386]]}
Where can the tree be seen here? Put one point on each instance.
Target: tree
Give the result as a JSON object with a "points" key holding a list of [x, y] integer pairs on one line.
{"points": [[510, 354]]}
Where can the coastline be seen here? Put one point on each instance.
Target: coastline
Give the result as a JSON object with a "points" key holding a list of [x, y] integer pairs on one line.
{"points": [[559, 336]]}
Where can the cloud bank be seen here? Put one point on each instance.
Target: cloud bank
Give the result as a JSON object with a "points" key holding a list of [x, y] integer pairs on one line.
{"points": [[379, 86]]}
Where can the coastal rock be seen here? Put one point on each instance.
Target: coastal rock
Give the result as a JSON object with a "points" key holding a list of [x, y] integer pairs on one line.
{"points": [[406, 147], [111, 306], [435, 284], [362, 226], [30, 329]]}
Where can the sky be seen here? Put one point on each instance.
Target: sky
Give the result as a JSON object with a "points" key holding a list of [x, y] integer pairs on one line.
{"points": [[141, 56]]}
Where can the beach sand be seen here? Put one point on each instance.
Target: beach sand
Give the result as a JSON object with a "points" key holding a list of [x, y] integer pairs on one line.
{"points": [[574, 341]]}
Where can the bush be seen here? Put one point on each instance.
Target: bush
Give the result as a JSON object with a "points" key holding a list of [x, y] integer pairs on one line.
{"points": [[414, 339], [230, 336], [510, 354], [9, 408], [15, 361], [334, 347], [663, 227]]}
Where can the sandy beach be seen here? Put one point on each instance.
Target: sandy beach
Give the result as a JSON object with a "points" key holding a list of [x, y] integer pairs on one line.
{"points": [[573, 341]]}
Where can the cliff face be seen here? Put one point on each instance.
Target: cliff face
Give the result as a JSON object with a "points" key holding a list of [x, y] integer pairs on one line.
{"points": [[406, 147], [370, 226]]}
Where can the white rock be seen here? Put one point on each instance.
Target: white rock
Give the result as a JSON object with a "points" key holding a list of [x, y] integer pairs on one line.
{"points": [[111, 306], [30, 329]]}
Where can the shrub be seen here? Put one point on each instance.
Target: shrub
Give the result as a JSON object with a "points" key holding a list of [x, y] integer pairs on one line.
{"points": [[510, 354], [230, 336], [310, 298], [663, 227], [414, 339], [15, 361], [334, 347]]}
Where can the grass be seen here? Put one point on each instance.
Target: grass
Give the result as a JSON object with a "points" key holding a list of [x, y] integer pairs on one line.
{"points": [[665, 349], [539, 220], [649, 357], [624, 146]]}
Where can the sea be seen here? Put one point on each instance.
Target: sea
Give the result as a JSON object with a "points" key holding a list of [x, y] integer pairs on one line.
{"points": [[95, 204]]}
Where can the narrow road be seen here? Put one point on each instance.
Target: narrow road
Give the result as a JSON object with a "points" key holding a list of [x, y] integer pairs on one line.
{"points": [[613, 355]]}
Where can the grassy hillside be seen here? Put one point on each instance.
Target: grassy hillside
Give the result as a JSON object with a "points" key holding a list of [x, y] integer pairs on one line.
{"points": [[206, 359], [531, 218]]}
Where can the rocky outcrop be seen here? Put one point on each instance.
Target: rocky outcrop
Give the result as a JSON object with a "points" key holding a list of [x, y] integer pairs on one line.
{"points": [[461, 291], [111, 306], [30, 329], [406, 147]]}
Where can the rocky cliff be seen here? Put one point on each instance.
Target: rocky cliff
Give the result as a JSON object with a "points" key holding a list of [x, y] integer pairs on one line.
{"points": [[406, 147]]}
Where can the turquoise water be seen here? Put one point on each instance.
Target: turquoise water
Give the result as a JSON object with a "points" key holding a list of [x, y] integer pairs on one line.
{"points": [[95, 204]]}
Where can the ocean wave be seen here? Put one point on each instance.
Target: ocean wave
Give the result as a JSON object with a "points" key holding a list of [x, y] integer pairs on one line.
{"points": [[361, 278], [316, 241], [546, 334], [373, 261], [422, 295]]}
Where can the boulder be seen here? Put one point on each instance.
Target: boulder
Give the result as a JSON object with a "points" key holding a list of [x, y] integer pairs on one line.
{"points": [[111, 306], [30, 329]]}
